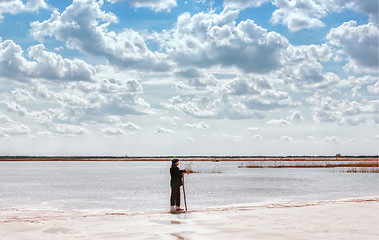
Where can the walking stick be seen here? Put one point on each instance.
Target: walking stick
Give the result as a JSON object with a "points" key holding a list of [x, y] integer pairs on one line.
{"points": [[184, 194]]}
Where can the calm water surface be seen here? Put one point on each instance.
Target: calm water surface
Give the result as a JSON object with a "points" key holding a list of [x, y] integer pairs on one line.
{"points": [[141, 186]]}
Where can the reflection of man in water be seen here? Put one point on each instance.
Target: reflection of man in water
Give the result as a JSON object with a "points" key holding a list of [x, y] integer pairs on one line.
{"points": [[176, 182]]}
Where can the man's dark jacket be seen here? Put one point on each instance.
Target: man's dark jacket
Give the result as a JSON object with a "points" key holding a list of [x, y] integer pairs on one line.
{"points": [[176, 176]]}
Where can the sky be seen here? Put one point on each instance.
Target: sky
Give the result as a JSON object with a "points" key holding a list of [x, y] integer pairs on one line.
{"points": [[189, 77]]}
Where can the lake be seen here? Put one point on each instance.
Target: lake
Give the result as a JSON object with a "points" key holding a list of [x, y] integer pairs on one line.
{"points": [[145, 186]]}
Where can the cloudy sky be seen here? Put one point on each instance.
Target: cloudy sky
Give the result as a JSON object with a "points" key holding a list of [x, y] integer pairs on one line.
{"points": [[189, 77]]}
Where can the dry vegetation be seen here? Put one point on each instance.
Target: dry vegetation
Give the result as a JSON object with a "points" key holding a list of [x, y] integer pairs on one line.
{"points": [[363, 170], [303, 164], [354, 167]]}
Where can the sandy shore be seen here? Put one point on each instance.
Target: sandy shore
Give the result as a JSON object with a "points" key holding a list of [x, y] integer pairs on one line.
{"points": [[339, 219]]}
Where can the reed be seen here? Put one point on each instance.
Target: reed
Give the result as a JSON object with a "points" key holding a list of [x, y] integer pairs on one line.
{"points": [[363, 170], [279, 164]]}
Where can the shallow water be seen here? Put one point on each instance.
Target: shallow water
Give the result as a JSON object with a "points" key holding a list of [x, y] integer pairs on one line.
{"points": [[141, 186]]}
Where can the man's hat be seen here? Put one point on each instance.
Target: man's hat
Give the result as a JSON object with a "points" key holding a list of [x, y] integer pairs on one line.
{"points": [[175, 160]]}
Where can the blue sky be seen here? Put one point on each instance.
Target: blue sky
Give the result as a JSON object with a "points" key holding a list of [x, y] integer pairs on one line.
{"points": [[195, 77]]}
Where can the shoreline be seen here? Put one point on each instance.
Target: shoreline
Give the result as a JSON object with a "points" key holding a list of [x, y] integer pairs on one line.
{"points": [[354, 218], [184, 159]]}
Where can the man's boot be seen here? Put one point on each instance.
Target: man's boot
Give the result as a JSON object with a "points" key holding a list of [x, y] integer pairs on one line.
{"points": [[178, 209], [172, 209]]}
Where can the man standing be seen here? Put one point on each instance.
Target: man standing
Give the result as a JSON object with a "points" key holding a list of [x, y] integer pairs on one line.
{"points": [[176, 182]]}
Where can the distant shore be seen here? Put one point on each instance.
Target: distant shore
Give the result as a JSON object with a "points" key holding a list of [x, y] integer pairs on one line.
{"points": [[192, 158]]}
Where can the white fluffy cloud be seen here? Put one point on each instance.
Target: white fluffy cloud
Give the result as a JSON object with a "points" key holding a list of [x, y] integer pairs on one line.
{"points": [[159, 129], [300, 53], [374, 89], [243, 86], [15, 128], [269, 100], [16, 108], [189, 107], [240, 4], [327, 109], [13, 65], [130, 126], [16, 6], [193, 78], [210, 39], [71, 107], [109, 97], [331, 139], [217, 105], [253, 129], [9, 127], [200, 125], [295, 116], [83, 26], [112, 131], [46, 65], [369, 7], [118, 127], [300, 14], [287, 139], [360, 44], [22, 95], [246, 96], [304, 67], [155, 5], [278, 122], [71, 130], [257, 94], [4, 118], [52, 66]]}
